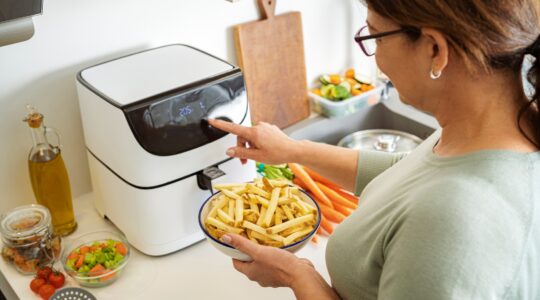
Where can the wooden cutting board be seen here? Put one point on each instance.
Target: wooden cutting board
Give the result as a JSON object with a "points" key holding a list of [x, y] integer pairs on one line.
{"points": [[271, 55]]}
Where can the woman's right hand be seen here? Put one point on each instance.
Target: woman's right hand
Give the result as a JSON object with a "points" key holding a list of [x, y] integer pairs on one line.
{"points": [[264, 142]]}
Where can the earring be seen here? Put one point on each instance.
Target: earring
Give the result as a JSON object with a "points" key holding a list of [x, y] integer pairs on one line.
{"points": [[435, 75]]}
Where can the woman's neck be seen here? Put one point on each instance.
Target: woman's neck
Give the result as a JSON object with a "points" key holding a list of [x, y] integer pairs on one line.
{"points": [[482, 114]]}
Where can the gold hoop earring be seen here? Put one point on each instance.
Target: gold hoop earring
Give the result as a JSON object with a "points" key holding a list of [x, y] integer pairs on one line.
{"points": [[435, 75]]}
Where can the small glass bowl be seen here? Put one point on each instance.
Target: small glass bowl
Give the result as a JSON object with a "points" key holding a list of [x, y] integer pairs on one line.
{"points": [[101, 278]]}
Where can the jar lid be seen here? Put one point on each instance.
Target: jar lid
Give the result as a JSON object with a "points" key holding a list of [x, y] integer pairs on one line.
{"points": [[24, 221], [386, 140]]}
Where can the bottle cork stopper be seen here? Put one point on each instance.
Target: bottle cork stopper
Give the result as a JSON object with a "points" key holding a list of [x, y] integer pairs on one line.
{"points": [[34, 118]]}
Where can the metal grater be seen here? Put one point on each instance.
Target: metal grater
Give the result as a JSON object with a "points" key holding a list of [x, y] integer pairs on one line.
{"points": [[72, 293]]}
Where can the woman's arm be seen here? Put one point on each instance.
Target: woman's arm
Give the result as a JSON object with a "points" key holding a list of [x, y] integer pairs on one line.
{"points": [[274, 267], [268, 144]]}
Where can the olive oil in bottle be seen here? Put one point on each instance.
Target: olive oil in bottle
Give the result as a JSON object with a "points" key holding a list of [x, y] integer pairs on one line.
{"points": [[49, 177]]}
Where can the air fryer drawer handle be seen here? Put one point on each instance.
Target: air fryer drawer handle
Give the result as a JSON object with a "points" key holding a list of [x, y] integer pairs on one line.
{"points": [[206, 176]]}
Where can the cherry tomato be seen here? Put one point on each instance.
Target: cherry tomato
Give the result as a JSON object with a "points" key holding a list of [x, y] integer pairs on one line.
{"points": [[36, 283], [44, 272], [46, 291], [57, 279]]}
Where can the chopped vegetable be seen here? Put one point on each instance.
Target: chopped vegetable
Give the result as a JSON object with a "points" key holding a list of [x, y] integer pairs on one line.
{"points": [[97, 259], [336, 88], [275, 171]]}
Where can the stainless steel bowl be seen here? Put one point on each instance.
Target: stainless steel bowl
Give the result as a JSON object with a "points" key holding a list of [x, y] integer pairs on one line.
{"points": [[386, 140]]}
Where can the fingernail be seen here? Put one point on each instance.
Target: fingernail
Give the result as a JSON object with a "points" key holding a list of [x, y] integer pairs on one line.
{"points": [[226, 239], [230, 152]]}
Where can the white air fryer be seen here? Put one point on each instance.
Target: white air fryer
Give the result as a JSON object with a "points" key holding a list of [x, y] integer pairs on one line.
{"points": [[153, 156]]}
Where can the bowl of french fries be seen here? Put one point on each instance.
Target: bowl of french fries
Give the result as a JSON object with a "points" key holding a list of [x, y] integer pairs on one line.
{"points": [[270, 212]]}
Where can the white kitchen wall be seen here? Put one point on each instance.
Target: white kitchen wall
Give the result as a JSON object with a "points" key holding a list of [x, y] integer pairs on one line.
{"points": [[74, 34]]}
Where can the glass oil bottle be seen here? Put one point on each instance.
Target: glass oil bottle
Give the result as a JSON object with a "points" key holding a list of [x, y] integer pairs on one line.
{"points": [[48, 175]]}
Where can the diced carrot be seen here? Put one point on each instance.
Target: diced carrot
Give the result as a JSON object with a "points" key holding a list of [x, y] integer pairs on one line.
{"points": [[335, 79], [97, 270], [318, 177], [326, 225], [349, 73], [94, 248], [121, 248], [303, 176], [108, 276], [335, 197], [84, 250], [79, 261], [72, 255], [345, 211], [102, 245]]}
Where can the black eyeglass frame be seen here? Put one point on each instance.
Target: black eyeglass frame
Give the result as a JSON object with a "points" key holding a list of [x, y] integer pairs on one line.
{"points": [[359, 39]]}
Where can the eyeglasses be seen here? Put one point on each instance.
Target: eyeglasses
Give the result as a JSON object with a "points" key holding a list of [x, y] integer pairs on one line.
{"points": [[368, 42]]}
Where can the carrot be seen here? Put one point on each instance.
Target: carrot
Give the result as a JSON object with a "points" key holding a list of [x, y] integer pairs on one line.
{"points": [[121, 248], [80, 261], [96, 270], [301, 174], [299, 183], [84, 249], [351, 197], [326, 225], [331, 214], [318, 177], [73, 255], [335, 197], [345, 211]]}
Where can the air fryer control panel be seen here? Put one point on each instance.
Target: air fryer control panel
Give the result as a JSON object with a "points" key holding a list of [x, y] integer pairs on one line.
{"points": [[178, 122]]}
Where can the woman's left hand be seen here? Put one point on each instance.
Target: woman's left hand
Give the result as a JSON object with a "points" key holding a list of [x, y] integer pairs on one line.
{"points": [[271, 267]]}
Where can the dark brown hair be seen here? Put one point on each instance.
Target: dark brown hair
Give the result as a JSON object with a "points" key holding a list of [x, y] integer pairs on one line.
{"points": [[487, 34]]}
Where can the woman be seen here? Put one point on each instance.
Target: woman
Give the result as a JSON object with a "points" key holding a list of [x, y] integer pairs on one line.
{"points": [[458, 218]]}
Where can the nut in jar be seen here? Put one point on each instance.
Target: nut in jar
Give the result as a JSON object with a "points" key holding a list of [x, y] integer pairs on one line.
{"points": [[27, 234]]}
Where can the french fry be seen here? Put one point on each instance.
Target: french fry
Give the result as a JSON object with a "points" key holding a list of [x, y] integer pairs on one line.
{"points": [[239, 211], [225, 217], [220, 225], [288, 212], [228, 186], [267, 212], [271, 206], [258, 191], [290, 223], [231, 208], [261, 216], [299, 234], [221, 201]]}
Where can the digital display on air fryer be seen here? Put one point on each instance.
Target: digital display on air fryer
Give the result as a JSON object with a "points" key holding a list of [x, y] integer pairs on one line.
{"points": [[177, 123]]}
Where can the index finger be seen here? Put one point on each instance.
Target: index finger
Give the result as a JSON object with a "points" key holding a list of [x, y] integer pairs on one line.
{"points": [[230, 127]]}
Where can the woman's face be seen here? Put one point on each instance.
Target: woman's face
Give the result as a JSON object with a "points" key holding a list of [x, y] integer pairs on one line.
{"points": [[403, 61]]}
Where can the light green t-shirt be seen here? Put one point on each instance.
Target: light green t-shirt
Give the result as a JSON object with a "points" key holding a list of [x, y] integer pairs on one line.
{"points": [[430, 227]]}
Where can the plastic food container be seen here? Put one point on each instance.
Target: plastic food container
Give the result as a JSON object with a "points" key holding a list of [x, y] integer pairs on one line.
{"points": [[27, 235], [86, 248], [345, 107]]}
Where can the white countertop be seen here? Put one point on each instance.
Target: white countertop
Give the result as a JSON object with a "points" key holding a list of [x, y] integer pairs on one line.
{"points": [[197, 272]]}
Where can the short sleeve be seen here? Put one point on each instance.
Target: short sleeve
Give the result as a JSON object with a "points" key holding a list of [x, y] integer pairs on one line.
{"points": [[372, 163]]}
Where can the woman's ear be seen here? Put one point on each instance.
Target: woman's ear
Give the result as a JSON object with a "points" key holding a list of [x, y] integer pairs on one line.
{"points": [[438, 49]]}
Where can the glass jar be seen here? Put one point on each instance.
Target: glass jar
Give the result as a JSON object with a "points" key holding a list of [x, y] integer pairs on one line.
{"points": [[29, 241]]}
